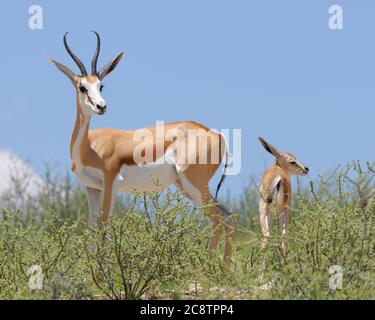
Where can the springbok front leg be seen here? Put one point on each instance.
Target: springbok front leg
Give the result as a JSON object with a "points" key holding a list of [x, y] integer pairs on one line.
{"points": [[110, 192], [95, 201]]}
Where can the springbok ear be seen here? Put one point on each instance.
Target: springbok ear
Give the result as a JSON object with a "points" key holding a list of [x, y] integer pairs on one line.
{"points": [[109, 67], [65, 70], [270, 148]]}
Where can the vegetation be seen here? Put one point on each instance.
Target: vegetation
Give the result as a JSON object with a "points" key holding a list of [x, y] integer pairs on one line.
{"points": [[156, 245]]}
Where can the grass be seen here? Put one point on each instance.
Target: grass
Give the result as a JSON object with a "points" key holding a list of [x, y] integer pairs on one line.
{"points": [[156, 245]]}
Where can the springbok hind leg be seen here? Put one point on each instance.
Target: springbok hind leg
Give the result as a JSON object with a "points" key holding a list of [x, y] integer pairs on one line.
{"points": [[217, 229], [221, 223], [284, 221], [199, 196], [265, 222], [194, 183], [229, 229], [265, 217]]}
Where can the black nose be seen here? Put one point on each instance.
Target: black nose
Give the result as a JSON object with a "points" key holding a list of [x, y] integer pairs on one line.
{"points": [[101, 108], [307, 169]]}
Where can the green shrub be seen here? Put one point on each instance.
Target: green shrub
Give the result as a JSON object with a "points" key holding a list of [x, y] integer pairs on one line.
{"points": [[54, 248], [160, 241], [156, 245]]}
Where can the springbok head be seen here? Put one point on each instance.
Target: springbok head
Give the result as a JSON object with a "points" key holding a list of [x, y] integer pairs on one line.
{"points": [[286, 160], [89, 87]]}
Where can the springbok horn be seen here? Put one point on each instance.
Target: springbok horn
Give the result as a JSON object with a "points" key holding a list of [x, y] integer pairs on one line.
{"points": [[75, 58], [94, 62]]}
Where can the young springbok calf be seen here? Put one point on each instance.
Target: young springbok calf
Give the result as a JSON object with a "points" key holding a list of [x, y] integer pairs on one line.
{"points": [[276, 191]]}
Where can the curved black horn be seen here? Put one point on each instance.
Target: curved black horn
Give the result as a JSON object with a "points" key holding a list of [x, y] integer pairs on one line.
{"points": [[94, 62], [75, 58]]}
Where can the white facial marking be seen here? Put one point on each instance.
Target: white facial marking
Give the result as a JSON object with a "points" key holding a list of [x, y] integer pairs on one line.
{"points": [[92, 100]]}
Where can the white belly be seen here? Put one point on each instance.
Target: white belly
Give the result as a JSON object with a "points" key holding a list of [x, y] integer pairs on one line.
{"points": [[132, 179], [143, 178]]}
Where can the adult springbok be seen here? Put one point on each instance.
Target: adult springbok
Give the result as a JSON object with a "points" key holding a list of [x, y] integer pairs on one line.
{"points": [[276, 192], [106, 161]]}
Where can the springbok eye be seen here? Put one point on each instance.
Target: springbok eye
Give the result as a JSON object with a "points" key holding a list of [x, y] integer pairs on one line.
{"points": [[82, 89], [101, 88], [293, 163]]}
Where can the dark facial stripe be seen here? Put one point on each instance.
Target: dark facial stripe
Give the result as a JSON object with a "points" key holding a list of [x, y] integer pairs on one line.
{"points": [[90, 100]]}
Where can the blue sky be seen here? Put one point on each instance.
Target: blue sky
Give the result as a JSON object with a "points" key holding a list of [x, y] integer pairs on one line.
{"points": [[270, 68]]}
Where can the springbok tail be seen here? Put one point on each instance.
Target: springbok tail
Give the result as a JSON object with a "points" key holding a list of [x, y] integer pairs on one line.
{"points": [[268, 194], [227, 155]]}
